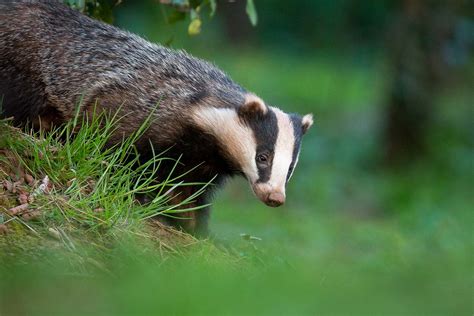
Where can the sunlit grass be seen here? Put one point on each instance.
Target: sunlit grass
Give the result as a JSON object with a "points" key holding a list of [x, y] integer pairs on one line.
{"points": [[85, 188]]}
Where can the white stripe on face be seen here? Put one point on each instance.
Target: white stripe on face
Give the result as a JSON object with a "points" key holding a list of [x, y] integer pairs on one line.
{"points": [[238, 139], [294, 165], [283, 152]]}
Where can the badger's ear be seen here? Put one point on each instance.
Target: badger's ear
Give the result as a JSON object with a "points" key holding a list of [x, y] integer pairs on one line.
{"points": [[307, 122], [253, 106]]}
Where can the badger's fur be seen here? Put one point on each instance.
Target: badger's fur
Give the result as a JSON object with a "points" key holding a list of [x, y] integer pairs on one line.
{"points": [[52, 57]]}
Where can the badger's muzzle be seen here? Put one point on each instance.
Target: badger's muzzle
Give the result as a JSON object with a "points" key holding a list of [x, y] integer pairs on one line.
{"points": [[269, 195]]}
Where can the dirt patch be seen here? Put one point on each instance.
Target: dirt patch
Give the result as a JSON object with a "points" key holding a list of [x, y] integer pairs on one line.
{"points": [[18, 190]]}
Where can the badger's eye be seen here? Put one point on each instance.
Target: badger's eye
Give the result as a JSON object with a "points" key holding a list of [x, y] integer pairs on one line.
{"points": [[262, 158]]}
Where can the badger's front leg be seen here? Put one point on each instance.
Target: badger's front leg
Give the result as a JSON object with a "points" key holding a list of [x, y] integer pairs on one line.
{"points": [[193, 222]]}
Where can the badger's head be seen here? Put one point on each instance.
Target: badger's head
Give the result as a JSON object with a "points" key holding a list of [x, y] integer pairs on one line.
{"points": [[262, 142]]}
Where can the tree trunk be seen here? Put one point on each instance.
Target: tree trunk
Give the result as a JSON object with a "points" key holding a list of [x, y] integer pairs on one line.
{"points": [[416, 46]]}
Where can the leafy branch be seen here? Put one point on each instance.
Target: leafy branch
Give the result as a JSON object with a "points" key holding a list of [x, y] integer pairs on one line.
{"points": [[180, 10]]}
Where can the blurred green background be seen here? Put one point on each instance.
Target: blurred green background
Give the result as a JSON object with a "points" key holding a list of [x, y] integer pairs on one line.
{"points": [[378, 218]]}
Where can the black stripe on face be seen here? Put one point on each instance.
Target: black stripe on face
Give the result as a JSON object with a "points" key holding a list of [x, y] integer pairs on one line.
{"points": [[298, 132], [265, 130]]}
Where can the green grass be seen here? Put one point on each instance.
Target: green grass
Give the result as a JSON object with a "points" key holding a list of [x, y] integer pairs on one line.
{"points": [[352, 239], [84, 189]]}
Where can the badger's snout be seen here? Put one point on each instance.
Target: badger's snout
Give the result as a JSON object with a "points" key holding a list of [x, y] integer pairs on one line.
{"points": [[275, 199], [269, 195]]}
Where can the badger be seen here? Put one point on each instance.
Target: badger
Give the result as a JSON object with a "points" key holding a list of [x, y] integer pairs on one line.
{"points": [[53, 59]]}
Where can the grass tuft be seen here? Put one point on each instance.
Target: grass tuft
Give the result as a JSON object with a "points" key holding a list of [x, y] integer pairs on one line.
{"points": [[71, 186]]}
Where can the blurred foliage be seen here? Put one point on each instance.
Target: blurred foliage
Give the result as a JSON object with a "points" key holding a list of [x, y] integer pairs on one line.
{"points": [[99, 9], [179, 10]]}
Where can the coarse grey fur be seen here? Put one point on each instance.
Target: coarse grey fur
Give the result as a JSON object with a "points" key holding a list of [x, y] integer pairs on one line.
{"points": [[53, 58]]}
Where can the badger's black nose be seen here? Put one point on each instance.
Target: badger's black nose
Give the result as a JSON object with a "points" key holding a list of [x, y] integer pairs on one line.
{"points": [[275, 199]]}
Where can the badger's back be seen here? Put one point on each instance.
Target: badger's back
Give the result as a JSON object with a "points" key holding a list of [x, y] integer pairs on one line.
{"points": [[51, 57]]}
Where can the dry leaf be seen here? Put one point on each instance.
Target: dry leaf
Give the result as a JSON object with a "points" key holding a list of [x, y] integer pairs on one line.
{"points": [[18, 209]]}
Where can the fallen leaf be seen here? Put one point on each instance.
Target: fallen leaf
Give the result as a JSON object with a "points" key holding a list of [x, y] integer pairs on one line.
{"points": [[23, 198], [29, 179], [18, 209]]}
